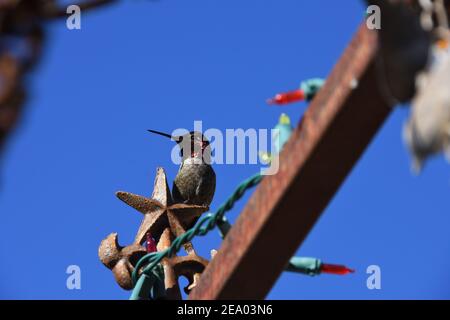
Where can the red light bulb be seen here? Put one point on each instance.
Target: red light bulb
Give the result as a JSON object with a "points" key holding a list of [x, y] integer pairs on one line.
{"points": [[150, 243], [287, 97], [335, 269]]}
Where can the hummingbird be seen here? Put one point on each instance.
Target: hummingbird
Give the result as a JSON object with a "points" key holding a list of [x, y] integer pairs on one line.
{"points": [[195, 182]]}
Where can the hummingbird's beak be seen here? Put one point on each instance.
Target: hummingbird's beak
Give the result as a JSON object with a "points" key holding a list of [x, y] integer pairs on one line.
{"points": [[174, 138]]}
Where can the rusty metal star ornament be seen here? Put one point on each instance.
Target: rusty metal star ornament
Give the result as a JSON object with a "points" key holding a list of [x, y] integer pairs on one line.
{"points": [[164, 220], [160, 209]]}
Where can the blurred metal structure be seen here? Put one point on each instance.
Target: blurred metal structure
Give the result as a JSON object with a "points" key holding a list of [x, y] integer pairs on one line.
{"points": [[22, 37], [404, 47]]}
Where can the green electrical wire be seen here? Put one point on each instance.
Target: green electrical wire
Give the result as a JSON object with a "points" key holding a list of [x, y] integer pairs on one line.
{"points": [[201, 228], [153, 285]]}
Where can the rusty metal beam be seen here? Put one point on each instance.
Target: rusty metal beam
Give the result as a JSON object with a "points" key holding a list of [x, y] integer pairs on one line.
{"points": [[334, 132]]}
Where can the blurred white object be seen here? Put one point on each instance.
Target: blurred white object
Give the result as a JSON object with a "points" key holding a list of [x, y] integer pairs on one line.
{"points": [[427, 132]]}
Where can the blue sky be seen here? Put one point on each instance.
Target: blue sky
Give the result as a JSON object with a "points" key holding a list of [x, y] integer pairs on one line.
{"points": [[146, 64]]}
